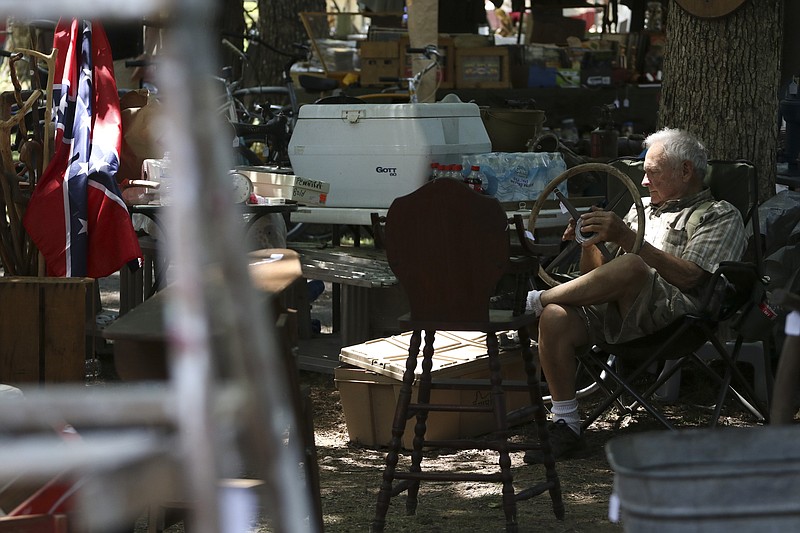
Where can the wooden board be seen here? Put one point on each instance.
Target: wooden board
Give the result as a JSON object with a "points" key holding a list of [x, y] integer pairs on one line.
{"points": [[66, 314], [42, 523], [19, 332], [46, 329]]}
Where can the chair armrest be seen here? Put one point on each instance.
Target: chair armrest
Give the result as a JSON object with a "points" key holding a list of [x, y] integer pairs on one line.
{"points": [[524, 244], [731, 286]]}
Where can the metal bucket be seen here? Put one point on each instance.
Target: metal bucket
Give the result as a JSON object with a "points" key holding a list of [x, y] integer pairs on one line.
{"points": [[511, 129], [733, 479]]}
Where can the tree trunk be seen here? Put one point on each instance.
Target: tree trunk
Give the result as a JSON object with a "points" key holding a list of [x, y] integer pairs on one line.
{"points": [[721, 80], [279, 24], [231, 20]]}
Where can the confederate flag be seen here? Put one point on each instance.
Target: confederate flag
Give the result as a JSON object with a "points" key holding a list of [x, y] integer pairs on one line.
{"points": [[76, 216]]}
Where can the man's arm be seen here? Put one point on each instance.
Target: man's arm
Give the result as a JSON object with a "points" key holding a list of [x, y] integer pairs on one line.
{"points": [[676, 271], [608, 227]]}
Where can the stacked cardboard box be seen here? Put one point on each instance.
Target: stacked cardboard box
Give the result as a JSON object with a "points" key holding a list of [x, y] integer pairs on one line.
{"points": [[370, 383], [379, 59]]}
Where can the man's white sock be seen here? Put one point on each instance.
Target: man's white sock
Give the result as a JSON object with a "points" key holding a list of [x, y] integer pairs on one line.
{"points": [[534, 302], [567, 411]]}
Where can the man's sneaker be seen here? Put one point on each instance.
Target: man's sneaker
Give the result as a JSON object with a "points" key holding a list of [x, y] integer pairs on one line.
{"points": [[564, 443]]}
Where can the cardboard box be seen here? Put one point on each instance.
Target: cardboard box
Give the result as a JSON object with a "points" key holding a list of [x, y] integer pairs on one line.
{"points": [[379, 49], [287, 186], [369, 389], [376, 71], [482, 68], [379, 59]]}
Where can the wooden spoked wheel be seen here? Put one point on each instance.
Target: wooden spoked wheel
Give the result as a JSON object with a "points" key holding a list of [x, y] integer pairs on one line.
{"points": [[546, 194]]}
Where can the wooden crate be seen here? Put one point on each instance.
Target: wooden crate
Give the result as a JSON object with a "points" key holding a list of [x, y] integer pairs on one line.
{"points": [[46, 329], [378, 49], [482, 68], [378, 71]]}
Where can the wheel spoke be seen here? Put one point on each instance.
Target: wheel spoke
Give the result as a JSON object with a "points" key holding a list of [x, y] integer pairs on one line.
{"points": [[557, 260]]}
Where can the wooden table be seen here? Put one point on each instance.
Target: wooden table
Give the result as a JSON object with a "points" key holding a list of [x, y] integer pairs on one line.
{"points": [[135, 287], [140, 349], [156, 212], [140, 341], [361, 277]]}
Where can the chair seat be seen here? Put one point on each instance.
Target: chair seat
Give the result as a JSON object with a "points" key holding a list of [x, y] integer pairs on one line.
{"points": [[692, 337], [499, 320]]}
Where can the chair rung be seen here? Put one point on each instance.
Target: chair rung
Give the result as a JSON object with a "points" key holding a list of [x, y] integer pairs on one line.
{"points": [[476, 384], [522, 414], [519, 447], [456, 408], [449, 476], [465, 444]]}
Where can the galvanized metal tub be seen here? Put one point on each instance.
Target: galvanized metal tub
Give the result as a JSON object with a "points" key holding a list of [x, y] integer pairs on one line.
{"points": [[732, 479]]}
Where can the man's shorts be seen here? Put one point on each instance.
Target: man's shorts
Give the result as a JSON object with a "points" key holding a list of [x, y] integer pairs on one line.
{"points": [[658, 305]]}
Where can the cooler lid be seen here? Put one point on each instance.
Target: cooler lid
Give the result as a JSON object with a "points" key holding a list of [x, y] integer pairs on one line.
{"points": [[356, 112], [455, 353]]}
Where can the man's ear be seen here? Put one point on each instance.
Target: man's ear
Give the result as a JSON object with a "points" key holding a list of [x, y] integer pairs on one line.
{"points": [[687, 171]]}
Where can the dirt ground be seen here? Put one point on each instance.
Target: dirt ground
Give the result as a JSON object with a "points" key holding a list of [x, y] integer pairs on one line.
{"points": [[350, 474]]}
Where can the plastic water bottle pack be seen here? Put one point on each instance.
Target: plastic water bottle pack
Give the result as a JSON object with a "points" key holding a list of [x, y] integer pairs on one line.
{"points": [[518, 176]]}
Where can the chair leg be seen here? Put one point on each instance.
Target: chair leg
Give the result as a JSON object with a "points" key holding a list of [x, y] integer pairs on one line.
{"points": [[410, 481], [623, 387], [423, 398], [540, 419], [398, 427], [748, 399], [501, 432]]}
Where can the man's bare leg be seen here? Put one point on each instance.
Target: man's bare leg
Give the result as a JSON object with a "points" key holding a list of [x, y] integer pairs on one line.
{"points": [[562, 331], [619, 281]]}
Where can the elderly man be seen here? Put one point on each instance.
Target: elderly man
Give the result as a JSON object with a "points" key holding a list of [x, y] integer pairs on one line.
{"points": [[687, 236]]}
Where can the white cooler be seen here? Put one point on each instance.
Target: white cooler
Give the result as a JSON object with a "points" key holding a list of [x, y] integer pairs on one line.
{"points": [[373, 153]]}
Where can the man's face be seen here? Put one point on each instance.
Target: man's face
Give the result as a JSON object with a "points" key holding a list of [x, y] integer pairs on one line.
{"points": [[664, 181]]}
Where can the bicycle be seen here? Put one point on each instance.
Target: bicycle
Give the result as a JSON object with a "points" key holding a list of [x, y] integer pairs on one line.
{"points": [[393, 94], [430, 52], [262, 126]]}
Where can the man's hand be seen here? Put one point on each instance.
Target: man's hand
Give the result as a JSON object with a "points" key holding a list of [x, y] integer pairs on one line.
{"points": [[606, 227], [569, 232]]}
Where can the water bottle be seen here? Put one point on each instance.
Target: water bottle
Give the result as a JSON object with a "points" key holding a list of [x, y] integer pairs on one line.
{"points": [[458, 172], [158, 170], [475, 179], [434, 171], [165, 178]]}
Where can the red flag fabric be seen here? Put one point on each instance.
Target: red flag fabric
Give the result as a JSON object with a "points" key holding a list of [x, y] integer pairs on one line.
{"points": [[76, 216]]}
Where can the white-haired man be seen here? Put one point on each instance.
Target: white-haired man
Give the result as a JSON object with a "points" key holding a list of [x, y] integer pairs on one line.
{"points": [[634, 295]]}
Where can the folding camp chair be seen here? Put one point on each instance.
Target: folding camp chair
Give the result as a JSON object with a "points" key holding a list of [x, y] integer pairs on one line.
{"points": [[616, 368]]}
